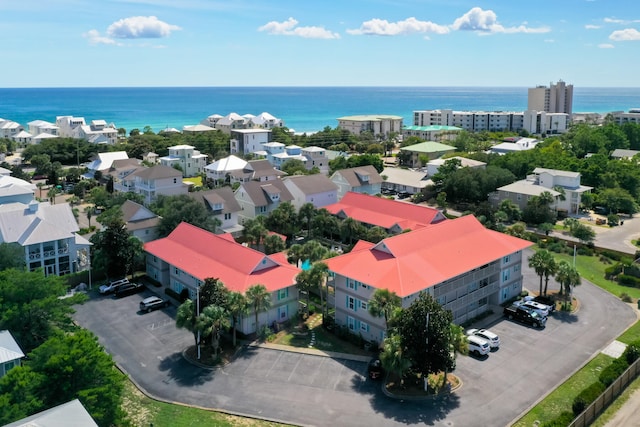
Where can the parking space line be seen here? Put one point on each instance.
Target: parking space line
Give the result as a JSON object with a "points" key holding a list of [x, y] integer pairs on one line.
{"points": [[294, 368]]}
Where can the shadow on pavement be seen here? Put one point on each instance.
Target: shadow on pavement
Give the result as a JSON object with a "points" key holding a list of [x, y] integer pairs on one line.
{"points": [[183, 372]]}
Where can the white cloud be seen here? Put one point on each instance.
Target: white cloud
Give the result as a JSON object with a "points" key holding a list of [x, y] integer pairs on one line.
{"points": [[290, 28], [591, 27], [94, 37], [382, 27], [620, 21], [486, 21], [138, 27], [625, 35], [606, 46]]}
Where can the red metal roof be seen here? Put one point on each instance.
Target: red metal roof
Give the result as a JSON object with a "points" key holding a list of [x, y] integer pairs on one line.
{"points": [[410, 262], [203, 254], [384, 212]]}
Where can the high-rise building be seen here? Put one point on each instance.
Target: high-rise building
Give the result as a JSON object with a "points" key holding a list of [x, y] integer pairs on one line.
{"points": [[557, 98]]}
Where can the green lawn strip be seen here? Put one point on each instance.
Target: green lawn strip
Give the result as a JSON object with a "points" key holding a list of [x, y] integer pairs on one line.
{"points": [[612, 409], [561, 399], [144, 411], [197, 180], [592, 269], [630, 335]]}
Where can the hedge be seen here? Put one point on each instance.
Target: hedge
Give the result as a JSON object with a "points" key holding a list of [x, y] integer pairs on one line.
{"points": [[562, 420], [613, 371], [627, 280], [586, 397]]}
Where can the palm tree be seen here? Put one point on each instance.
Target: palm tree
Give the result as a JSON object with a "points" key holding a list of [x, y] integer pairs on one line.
{"points": [[349, 229], [237, 306], [317, 276], [393, 358], [304, 285], [89, 210], [259, 299], [382, 304], [211, 321], [568, 277], [543, 264], [306, 213], [186, 318]]}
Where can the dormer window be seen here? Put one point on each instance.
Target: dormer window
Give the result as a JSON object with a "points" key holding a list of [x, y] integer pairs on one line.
{"points": [[217, 207]]}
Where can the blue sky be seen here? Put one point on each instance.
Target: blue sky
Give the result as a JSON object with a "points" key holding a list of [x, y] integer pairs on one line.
{"points": [[85, 43]]}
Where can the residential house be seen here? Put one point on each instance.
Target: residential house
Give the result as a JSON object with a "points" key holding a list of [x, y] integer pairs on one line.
{"points": [[219, 170], [428, 150], [265, 120], [257, 170], [10, 129], [189, 255], [621, 153], [316, 157], [512, 145], [392, 215], [139, 221], [194, 129], [97, 132], [119, 171], [400, 180], [245, 141], [16, 190], [190, 160], [260, 198], [316, 189], [564, 186], [157, 180], [10, 353], [37, 127], [464, 266], [67, 414], [151, 158], [380, 125], [434, 165], [223, 206], [361, 179], [104, 161], [230, 122], [49, 235], [23, 138]]}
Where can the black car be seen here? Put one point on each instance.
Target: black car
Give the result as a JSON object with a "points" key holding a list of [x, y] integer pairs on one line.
{"points": [[153, 303], [375, 369], [525, 315], [128, 289]]}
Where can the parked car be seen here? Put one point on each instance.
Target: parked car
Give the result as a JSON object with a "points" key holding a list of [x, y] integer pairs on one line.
{"points": [[548, 301], [541, 309], [524, 315], [153, 303], [493, 339], [128, 289], [478, 345], [375, 369], [110, 287]]}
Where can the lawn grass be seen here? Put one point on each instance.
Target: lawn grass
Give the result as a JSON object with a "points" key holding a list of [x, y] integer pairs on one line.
{"points": [[144, 411], [197, 180], [561, 399], [592, 269], [630, 335], [615, 406]]}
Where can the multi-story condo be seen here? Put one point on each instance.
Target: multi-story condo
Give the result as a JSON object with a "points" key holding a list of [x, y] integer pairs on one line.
{"points": [[190, 160], [632, 116], [245, 141], [380, 125], [38, 127], [557, 98]]}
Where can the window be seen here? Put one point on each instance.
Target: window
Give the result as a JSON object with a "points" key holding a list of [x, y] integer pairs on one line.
{"points": [[507, 259], [351, 303], [363, 305], [175, 180], [506, 275], [283, 294], [364, 327], [227, 216], [176, 271], [516, 268], [351, 323]]}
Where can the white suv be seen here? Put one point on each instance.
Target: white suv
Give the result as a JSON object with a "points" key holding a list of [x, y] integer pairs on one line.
{"points": [[494, 340], [478, 345], [112, 286], [541, 309]]}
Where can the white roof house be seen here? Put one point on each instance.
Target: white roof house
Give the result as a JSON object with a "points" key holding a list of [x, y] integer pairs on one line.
{"points": [[105, 160], [68, 414], [10, 353], [49, 235], [15, 190], [221, 167]]}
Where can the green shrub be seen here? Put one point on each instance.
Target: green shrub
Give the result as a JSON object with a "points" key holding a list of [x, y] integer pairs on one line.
{"points": [[611, 255], [557, 247], [627, 280], [584, 250], [613, 371], [626, 297], [632, 352], [562, 420], [613, 271], [587, 396]]}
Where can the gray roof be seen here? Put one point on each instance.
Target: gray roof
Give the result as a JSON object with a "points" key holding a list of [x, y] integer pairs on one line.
{"points": [[223, 195], [158, 172], [257, 191], [354, 175], [312, 184], [528, 188], [36, 222], [621, 153], [556, 172], [9, 348], [406, 177], [65, 415], [137, 217]]}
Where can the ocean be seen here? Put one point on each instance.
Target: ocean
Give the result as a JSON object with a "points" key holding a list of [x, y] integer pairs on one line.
{"points": [[304, 109]]}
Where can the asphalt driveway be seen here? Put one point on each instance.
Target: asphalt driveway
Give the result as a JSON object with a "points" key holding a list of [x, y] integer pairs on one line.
{"points": [[314, 390]]}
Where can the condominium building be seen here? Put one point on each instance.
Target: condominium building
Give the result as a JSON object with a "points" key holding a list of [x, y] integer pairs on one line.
{"points": [[557, 98], [378, 125]]}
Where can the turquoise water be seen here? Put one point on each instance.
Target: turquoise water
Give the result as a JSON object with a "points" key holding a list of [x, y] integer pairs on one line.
{"points": [[305, 109], [306, 264]]}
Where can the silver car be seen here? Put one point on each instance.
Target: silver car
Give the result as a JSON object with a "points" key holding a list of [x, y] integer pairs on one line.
{"points": [[493, 339]]}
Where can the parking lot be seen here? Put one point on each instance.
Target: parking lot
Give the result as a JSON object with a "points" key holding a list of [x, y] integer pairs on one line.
{"points": [[313, 390]]}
